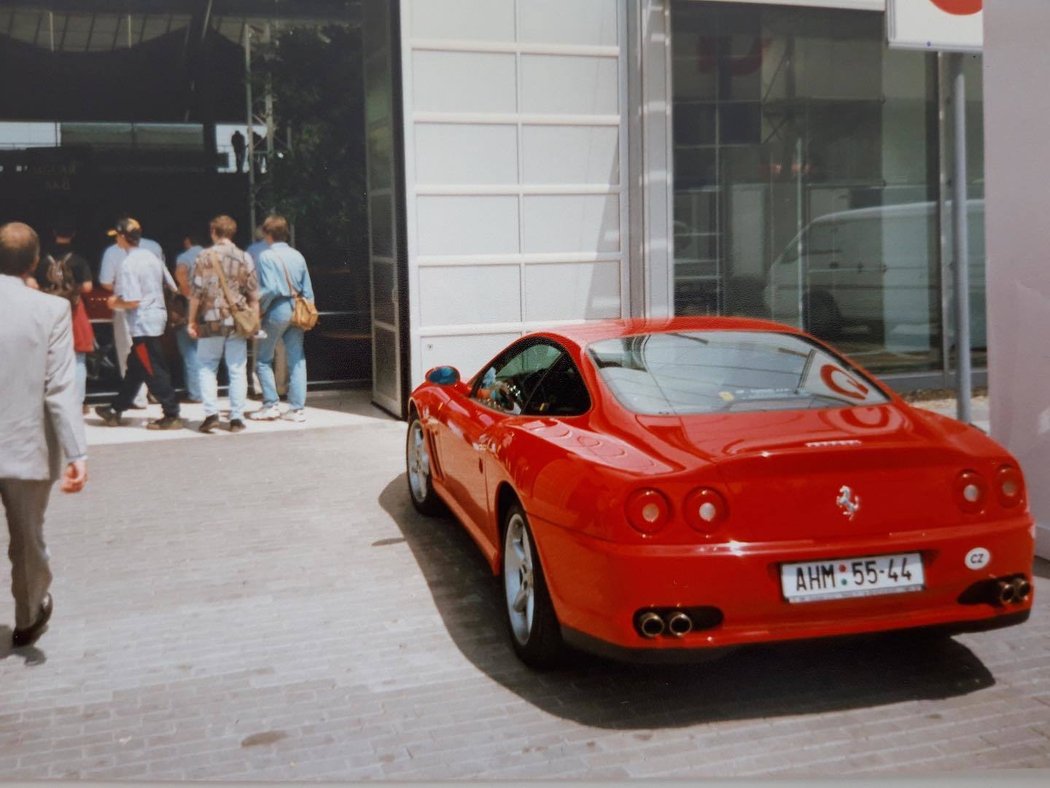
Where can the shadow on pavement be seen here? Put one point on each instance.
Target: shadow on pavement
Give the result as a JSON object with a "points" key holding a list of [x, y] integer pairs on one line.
{"points": [[32, 655], [763, 681], [1041, 568]]}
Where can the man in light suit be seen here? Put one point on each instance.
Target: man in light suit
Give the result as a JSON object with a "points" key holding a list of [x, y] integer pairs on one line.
{"points": [[40, 422]]}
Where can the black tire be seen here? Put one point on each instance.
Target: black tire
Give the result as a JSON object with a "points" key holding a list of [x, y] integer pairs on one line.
{"points": [[531, 621], [417, 469]]}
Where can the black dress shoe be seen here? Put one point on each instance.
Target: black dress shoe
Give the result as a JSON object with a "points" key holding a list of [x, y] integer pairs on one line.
{"points": [[210, 423], [236, 425], [110, 417], [28, 636], [166, 423]]}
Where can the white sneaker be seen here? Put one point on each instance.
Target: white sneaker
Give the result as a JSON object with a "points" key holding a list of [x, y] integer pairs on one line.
{"points": [[296, 415], [271, 413]]}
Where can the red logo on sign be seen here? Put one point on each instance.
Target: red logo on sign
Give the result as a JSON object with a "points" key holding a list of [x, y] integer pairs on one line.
{"points": [[959, 7], [838, 380]]}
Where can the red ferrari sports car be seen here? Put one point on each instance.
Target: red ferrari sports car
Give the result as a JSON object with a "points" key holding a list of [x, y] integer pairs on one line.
{"points": [[652, 488]]}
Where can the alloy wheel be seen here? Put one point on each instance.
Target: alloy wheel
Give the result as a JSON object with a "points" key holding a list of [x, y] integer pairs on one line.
{"points": [[518, 579], [418, 463]]}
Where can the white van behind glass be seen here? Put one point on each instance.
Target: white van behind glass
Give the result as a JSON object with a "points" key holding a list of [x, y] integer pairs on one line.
{"points": [[869, 271]]}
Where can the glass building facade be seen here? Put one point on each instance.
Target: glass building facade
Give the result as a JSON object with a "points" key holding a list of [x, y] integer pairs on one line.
{"points": [[428, 150], [177, 111], [809, 181]]}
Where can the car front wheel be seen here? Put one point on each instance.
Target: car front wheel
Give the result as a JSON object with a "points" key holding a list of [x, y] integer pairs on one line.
{"points": [[533, 626], [417, 465]]}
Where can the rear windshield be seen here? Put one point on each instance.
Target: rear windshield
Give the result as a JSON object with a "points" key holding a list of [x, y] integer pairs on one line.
{"points": [[727, 371]]}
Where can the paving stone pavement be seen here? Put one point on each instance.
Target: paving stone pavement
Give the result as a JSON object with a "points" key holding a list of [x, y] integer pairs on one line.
{"points": [[268, 606]]}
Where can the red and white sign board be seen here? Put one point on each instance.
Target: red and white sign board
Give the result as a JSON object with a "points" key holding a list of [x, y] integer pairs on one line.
{"points": [[936, 25]]}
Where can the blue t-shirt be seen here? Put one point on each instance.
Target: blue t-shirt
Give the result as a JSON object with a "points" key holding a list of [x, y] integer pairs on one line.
{"points": [[140, 277], [187, 257], [273, 281], [256, 249]]}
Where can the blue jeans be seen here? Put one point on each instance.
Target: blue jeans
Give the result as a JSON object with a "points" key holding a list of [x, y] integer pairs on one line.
{"points": [[212, 350], [192, 367], [275, 324]]}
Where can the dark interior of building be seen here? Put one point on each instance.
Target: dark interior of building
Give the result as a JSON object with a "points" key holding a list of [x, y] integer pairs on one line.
{"points": [[113, 107]]}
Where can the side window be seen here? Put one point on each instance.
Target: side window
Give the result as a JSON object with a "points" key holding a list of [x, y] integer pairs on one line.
{"points": [[509, 382], [560, 392]]}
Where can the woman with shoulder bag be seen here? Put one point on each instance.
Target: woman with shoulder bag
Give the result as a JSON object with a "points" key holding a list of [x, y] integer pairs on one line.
{"points": [[284, 281]]}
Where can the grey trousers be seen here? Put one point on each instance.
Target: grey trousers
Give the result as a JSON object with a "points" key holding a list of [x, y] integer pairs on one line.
{"points": [[24, 504]]}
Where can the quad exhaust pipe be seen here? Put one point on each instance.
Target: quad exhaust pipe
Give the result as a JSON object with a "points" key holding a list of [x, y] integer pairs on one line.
{"points": [[679, 624], [675, 622], [999, 591], [654, 623], [650, 624], [1012, 592]]}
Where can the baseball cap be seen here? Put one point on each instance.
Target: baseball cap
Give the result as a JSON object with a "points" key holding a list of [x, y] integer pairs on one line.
{"points": [[128, 227]]}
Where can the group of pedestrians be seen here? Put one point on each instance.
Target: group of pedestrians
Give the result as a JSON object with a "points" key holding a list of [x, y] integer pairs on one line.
{"points": [[231, 299], [42, 436]]}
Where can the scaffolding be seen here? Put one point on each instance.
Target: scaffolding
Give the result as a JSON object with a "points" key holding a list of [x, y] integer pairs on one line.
{"points": [[258, 112]]}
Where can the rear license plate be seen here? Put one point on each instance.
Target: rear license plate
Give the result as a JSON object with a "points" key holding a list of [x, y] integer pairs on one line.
{"points": [[847, 577]]}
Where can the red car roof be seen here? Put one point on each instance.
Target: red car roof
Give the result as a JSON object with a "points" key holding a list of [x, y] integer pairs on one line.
{"points": [[585, 333]]}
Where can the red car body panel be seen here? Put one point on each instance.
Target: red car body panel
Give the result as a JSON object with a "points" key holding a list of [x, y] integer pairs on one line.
{"points": [[778, 470]]}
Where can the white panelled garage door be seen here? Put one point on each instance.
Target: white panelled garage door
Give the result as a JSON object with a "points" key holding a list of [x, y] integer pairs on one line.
{"points": [[515, 123]]}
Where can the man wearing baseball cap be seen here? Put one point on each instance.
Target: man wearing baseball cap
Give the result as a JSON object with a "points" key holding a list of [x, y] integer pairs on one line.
{"points": [[112, 257], [139, 292]]}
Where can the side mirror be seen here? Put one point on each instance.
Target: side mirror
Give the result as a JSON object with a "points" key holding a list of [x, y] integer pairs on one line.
{"points": [[443, 376]]}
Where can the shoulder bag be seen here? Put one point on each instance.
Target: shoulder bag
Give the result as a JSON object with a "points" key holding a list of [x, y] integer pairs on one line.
{"points": [[245, 319], [304, 313]]}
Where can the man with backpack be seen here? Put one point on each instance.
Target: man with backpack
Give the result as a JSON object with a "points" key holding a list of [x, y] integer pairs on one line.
{"points": [[65, 273]]}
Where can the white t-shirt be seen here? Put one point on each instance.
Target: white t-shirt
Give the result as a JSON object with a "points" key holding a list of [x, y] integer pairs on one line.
{"points": [[107, 273], [140, 277]]}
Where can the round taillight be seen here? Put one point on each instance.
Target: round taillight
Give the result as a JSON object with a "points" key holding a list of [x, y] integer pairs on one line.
{"points": [[648, 511], [1011, 486], [971, 491], [705, 509]]}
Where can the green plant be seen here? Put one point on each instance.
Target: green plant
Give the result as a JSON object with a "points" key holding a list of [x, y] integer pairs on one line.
{"points": [[317, 176]]}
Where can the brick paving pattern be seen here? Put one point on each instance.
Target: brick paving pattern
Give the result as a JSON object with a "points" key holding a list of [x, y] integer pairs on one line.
{"points": [[270, 607]]}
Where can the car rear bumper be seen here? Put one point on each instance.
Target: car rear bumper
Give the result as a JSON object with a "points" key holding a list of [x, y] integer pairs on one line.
{"points": [[662, 656], [600, 587]]}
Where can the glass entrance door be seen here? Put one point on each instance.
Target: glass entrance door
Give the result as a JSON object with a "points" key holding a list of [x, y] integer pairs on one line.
{"points": [[384, 241]]}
